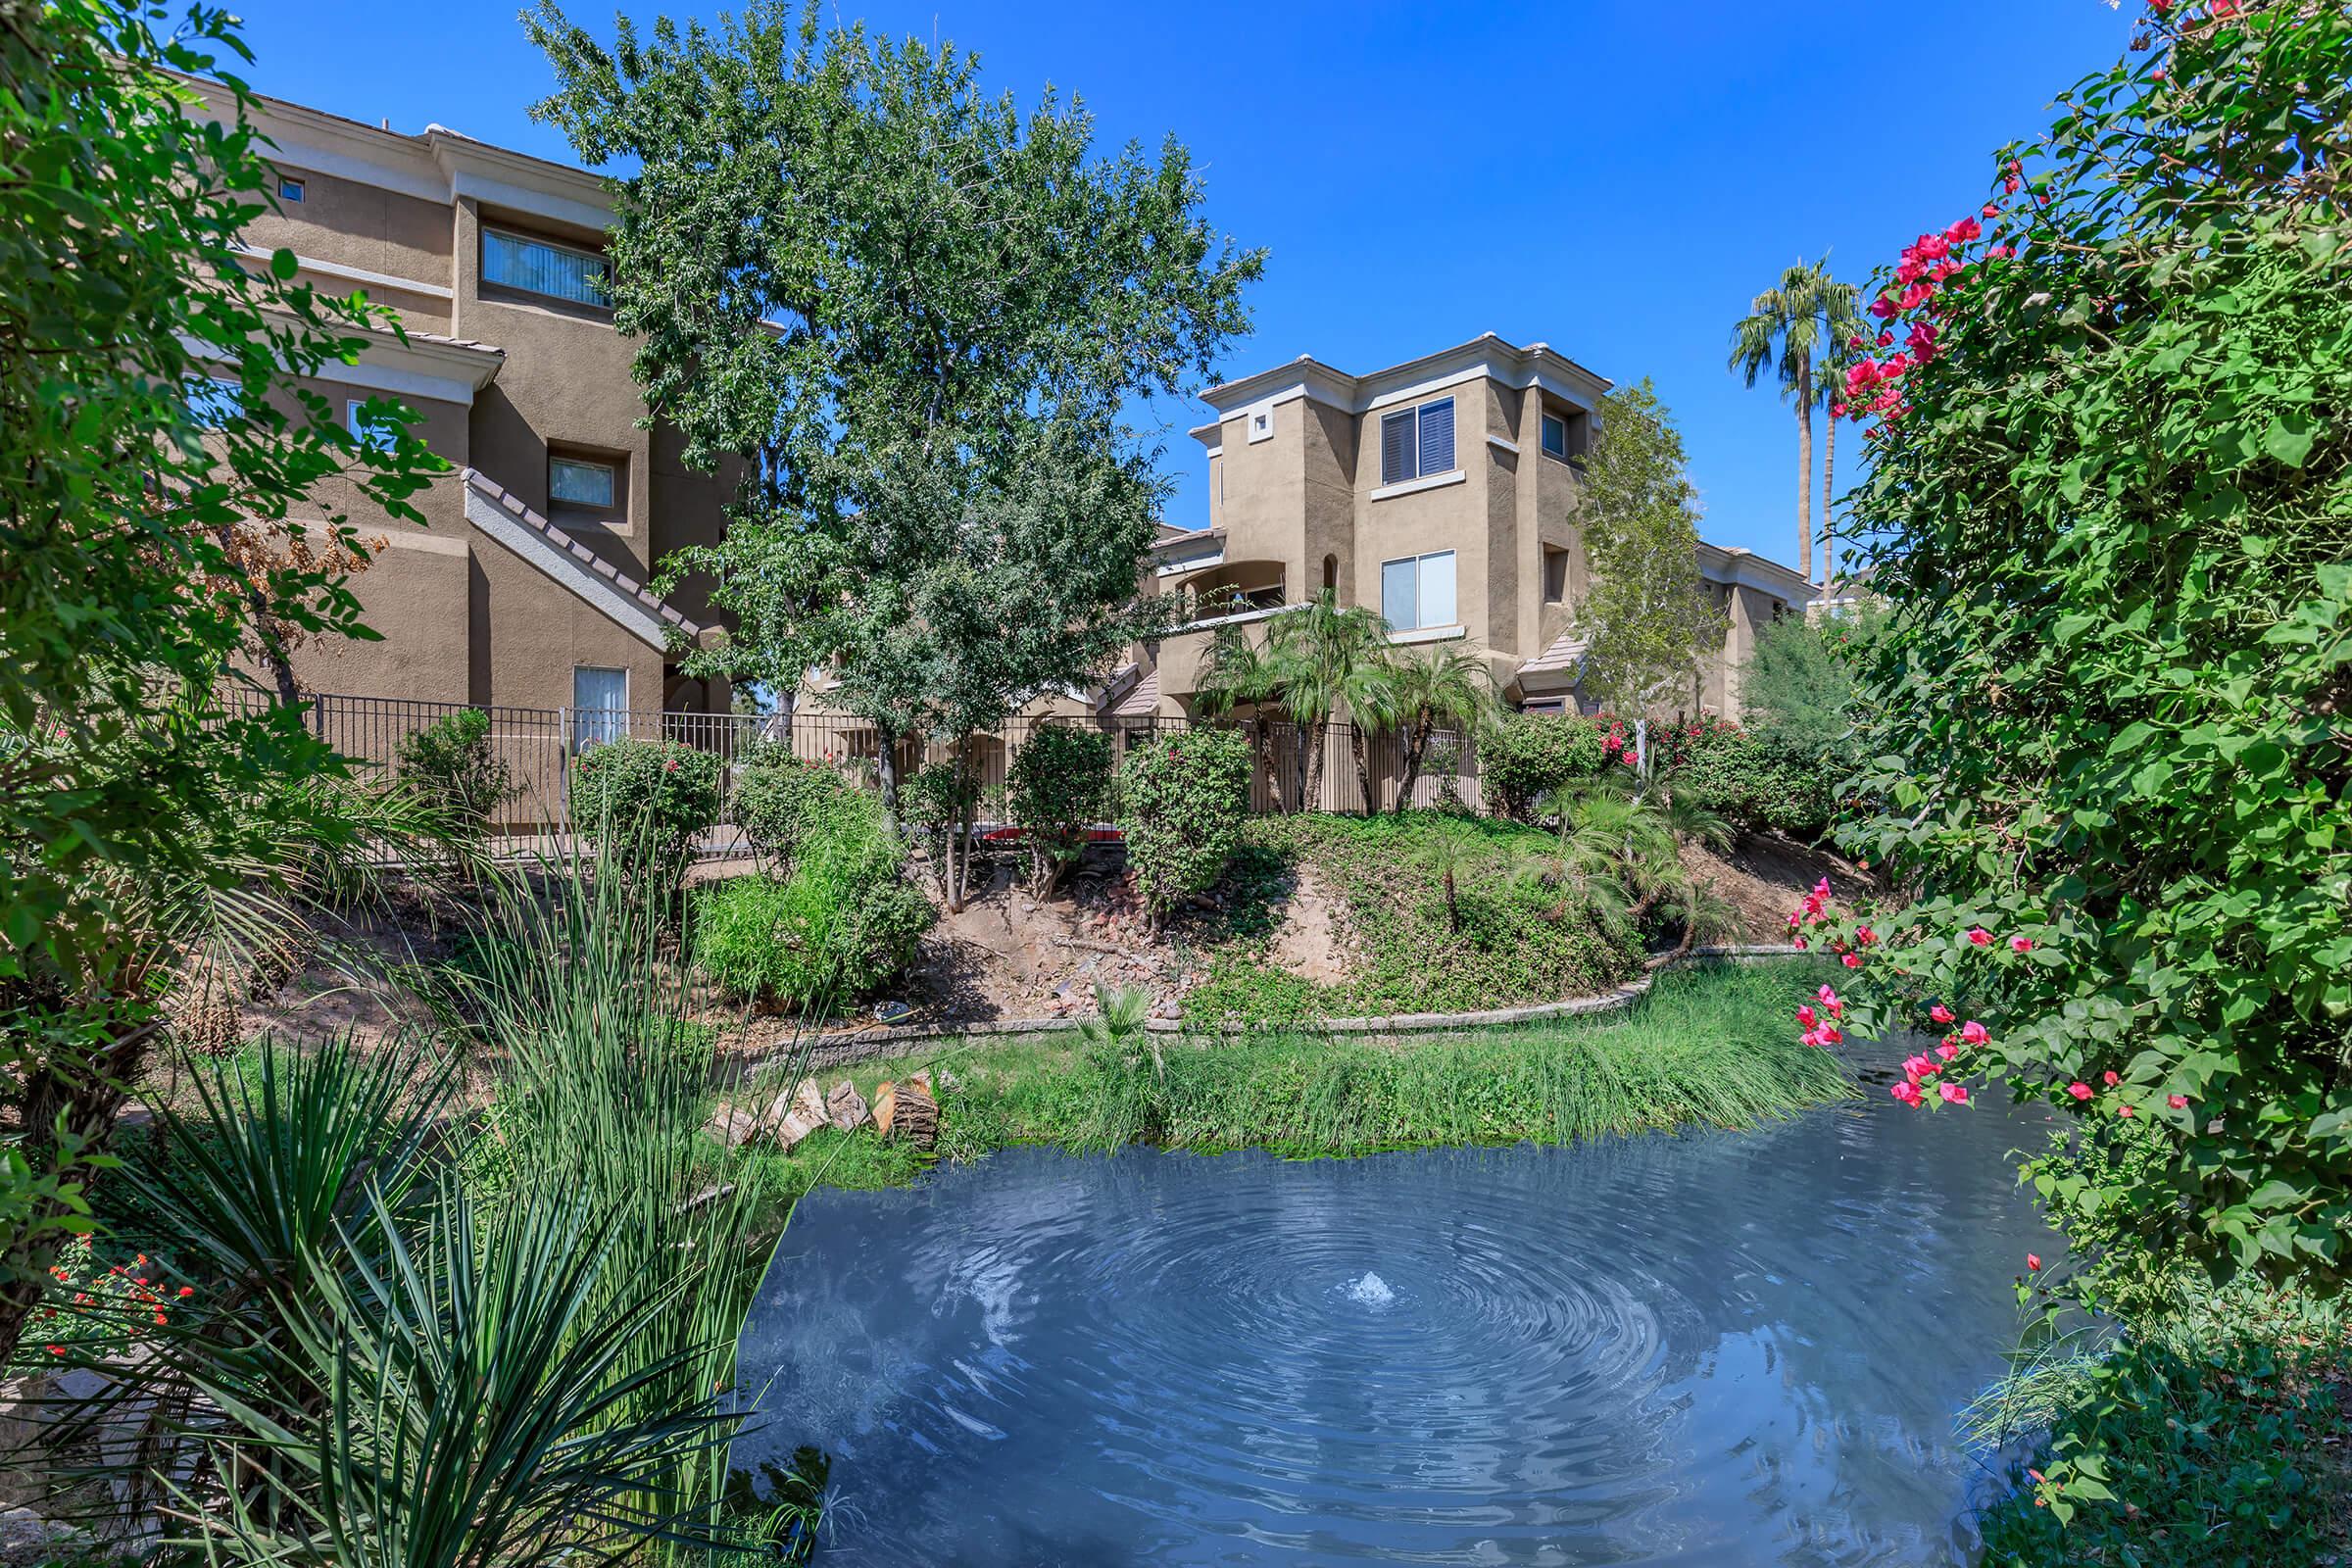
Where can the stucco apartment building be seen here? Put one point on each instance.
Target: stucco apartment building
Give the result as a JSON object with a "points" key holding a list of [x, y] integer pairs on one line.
{"points": [[527, 588], [1442, 492]]}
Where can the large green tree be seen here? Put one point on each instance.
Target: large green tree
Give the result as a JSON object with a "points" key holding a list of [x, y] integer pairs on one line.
{"points": [[1648, 619], [919, 318], [1792, 328], [155, 438]]}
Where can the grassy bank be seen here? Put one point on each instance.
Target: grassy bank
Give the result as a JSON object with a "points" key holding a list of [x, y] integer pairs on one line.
{"points": [[1382, 876], [1710, 1046]]}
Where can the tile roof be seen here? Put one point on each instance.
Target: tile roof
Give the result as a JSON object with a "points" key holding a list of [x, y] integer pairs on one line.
{"points": [[492, 491], [1567, 651], [1141, 703]]}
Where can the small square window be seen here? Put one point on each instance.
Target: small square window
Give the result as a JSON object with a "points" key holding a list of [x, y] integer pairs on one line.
{"points": [[575, 482], [216, 402], [288, 189], [374, 430], [1556, 437]]}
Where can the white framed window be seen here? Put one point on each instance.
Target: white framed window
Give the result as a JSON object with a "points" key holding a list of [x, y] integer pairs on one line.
{"points": [[289, 189], [216, 402], [600, 704], [579, 482], [542, 267], [1556, 437], [1416, 443], [372, 430], [1416, 592]]}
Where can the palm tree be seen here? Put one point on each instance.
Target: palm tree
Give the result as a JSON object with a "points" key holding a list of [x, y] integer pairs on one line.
{"points": [[1452, 844], [1792, 328], [1431, 686], [1830, 392], [1235, 671], [1320, 658]]}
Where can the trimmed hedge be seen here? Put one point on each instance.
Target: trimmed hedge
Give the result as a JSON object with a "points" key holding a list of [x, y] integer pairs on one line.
{"points": [[1060, 786]]}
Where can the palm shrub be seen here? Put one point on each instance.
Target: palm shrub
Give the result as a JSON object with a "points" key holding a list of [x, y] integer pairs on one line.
{"points": [[1182, 801], [777, 800], [1061, 786], [641, 805], [1525, 757], [1430, 688]]}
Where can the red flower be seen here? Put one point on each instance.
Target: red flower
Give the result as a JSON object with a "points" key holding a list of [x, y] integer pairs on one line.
{"points": [[2177, 1102], [1853, 960], [1980, 936], [2123, 1111], [1940, 1014], [2079, 1089], [1908, 1094], [1966, 229], [1991, 210], [1974, 1033], [2021, 945], [1953, 1094], [2034, 1263], [2112, 1079]]}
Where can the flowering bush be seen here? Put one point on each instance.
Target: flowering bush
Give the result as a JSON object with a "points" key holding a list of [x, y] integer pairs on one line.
{"points": [[1527, 756], [643, 802], [2109, 721], [1752, 781], [88, 1310]]}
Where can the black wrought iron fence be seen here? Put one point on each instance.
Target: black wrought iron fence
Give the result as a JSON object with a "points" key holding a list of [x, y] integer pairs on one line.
{"points": [[540, 744]]}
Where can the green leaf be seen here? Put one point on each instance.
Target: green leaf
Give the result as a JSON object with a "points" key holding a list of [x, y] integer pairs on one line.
{"points": [[2289, 439]]}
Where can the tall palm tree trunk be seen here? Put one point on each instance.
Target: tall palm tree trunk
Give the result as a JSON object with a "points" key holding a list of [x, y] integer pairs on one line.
{"points": [[1804, 465], [1416, 743], [1828, 516], [1311, 736]]}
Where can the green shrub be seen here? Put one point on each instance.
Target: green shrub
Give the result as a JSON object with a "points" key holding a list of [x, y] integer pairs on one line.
{"points": [[451, 764], [1060, 787], [1182, 802], [778, 798], [1529, 753], [642, 804], [843, 922], [1753, 781]]}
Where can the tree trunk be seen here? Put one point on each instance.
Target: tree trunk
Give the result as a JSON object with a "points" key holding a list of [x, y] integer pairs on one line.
{"points": [[1829, 517], [1310, 794], [1360, 746], [886, 773], [1804, 465], [1416, 743]]}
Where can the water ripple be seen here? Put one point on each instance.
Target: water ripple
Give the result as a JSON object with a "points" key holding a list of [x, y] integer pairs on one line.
{"points": [[1718, 1349]]}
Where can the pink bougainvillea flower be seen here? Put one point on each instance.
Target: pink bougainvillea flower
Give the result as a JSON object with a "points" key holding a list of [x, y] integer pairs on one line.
{"points": [[2001, 252], [2012, 185], [2034, 1263], [1865, 935], [1947, 1051], [1974, 1033], [2021, 945], [2110, 1077], [1940, 1014], [2177, 1102], [2224, 9], [1908, 1094], [1853, 960], [1883, 307], [1992, 210], [2123, 1111], [2079, 1089], [1917, 1068], [1807, 1017], [1953, 1094], [1966, 229], [1798, 943], [1978, 935]]}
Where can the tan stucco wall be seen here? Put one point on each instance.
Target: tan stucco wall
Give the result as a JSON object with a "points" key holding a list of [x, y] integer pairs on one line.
{"points": [[348, 223]]}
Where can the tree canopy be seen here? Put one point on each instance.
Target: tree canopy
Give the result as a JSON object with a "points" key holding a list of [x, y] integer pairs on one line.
{"points": [[1648, 619], [919, 318]]}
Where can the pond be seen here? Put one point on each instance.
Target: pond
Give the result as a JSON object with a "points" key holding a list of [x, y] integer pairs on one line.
{"points": [[1718, 1348]]}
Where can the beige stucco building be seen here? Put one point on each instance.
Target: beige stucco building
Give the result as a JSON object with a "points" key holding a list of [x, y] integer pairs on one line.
{"points": [[527, 586], [1442, 492]]}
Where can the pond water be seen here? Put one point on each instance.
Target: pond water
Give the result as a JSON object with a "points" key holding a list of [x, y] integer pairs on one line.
{"points": [[1711, 1348]]}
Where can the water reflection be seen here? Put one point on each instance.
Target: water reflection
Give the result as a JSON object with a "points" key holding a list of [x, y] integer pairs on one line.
{"points": [[1714, 1348]]}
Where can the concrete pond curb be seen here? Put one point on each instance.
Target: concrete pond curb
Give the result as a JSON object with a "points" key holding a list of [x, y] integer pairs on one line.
{"points": [[883, 1040]]}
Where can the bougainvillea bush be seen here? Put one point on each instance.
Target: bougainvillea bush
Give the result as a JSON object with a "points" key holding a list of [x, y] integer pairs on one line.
{"points": [[2111, 718]]}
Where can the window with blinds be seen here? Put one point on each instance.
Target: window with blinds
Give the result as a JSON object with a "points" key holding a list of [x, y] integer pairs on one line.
{"points": [[538, 267], [1417, 443], [571, 482]]}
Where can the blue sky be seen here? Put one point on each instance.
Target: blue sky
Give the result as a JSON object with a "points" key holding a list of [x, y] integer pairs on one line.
{"points": [[1616, 179]]}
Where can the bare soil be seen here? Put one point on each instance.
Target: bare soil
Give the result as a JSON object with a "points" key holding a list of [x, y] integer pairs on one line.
{"points": [[1004, 956]]}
